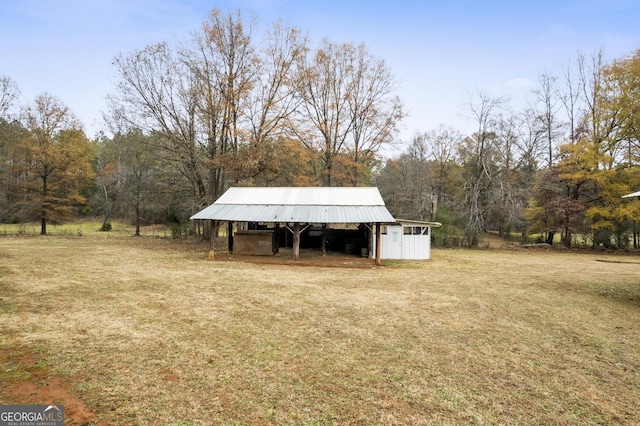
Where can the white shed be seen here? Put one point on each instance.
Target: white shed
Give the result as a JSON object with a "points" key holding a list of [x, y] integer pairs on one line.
{"points": [[407, 239]]}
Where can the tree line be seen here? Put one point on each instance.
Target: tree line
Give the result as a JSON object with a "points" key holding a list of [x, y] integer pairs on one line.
{"points": [[230, 106], [558, 168], [236, 106]]}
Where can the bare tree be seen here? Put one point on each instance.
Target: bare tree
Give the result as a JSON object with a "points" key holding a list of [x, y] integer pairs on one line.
{"points": [[374, 110], [272, 100], [600, 120], [218, 101], [323, 123], [570, 100], [419, 186], [156, 93], [347, 107], [514, 172], [478, 163], [9, 94], [547, 101], [444, 159], [111, 179], [223, 60], [10, 133], [533, 139]]}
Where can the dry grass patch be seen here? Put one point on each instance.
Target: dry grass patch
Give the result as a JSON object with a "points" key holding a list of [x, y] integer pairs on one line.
{"points": [[148, 331]]}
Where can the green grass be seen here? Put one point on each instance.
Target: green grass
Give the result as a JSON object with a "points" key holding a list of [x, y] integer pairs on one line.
{"points": [[84, 228], [149, 331]]}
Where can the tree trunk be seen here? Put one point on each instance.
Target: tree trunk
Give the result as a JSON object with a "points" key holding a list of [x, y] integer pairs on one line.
{"points": [[105, 219], [107, 209], [137, 234], [567, 238], [550, 236], [43, 218]]}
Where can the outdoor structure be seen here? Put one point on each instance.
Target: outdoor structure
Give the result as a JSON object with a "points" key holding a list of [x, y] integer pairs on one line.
{"points": [[272, 211], [407, 239]]}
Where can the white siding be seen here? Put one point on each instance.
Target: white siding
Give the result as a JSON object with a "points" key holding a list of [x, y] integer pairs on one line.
{"points": [[396, 244], [415, 247]]}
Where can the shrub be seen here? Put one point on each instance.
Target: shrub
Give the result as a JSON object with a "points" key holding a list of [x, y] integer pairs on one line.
{"points": [[176, 229]]}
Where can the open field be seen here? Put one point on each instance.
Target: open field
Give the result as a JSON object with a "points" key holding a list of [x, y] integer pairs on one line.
{"points": [[144, 331], [85, 228]]}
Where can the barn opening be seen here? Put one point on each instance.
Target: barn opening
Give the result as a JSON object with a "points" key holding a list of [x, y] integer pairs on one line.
{"points": [[353, 239]]}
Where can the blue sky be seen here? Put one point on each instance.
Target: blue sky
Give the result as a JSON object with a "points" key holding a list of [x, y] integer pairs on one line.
{"points": [[439, 51]]}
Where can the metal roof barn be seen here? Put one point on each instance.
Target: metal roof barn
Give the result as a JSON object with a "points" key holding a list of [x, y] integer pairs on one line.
{"points": [[312, 205], [298, 206]]}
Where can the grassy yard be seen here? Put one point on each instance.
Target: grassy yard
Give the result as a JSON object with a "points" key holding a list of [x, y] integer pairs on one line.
{"points": [[149, 331]]}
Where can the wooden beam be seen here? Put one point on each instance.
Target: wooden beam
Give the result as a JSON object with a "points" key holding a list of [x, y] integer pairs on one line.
{"points": [[378, 245], [230, 236]]}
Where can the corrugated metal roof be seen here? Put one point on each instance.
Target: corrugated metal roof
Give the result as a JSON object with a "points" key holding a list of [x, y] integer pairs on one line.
{"points": [[635, 194], [343, 196], [313, 205]]}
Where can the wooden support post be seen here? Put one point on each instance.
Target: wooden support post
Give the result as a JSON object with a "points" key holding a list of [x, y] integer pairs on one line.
{"points": [[296, 241], [230, 236], [378, 245], [324, 239], [212, 238], [276, 238]]}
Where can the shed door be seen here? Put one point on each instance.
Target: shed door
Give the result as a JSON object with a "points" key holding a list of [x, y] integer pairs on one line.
{"points": [[392, 243]]}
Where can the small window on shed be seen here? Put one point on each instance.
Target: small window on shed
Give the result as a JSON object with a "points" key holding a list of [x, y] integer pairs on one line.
{"points": [[406, 230], [421, 230]]}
